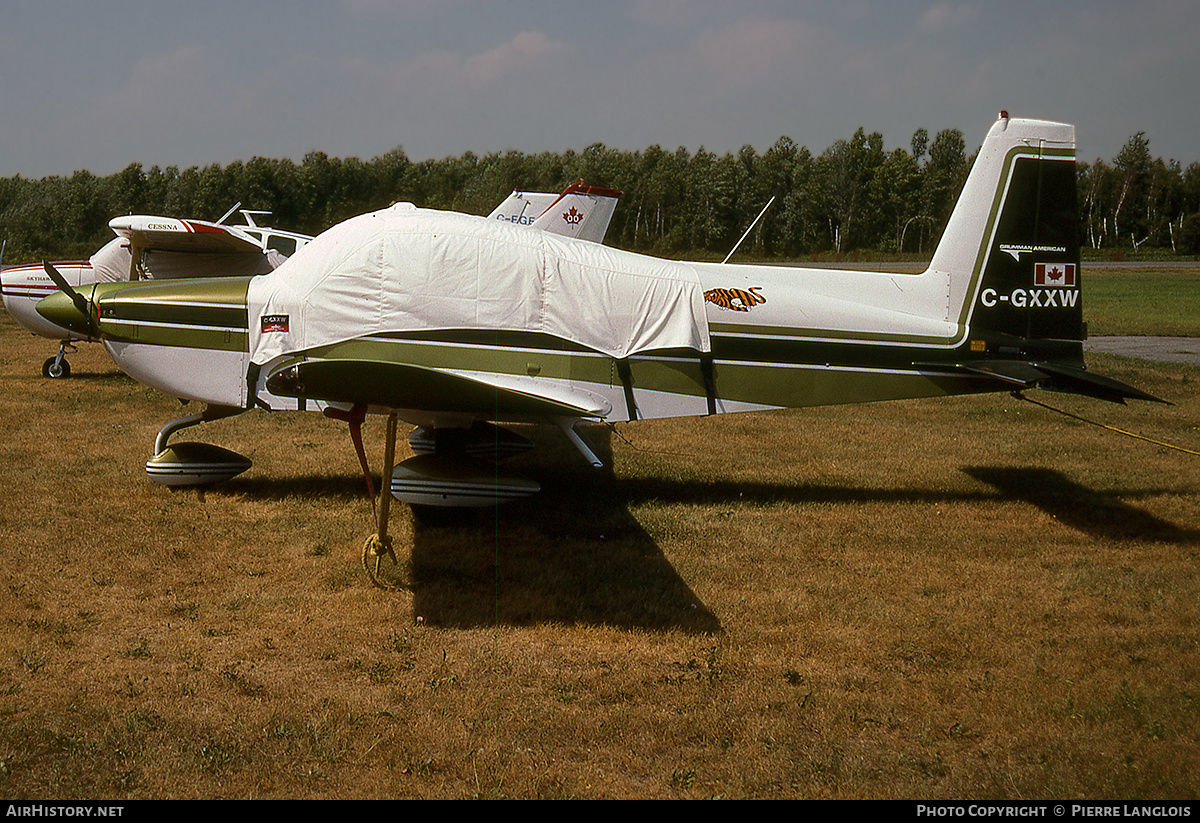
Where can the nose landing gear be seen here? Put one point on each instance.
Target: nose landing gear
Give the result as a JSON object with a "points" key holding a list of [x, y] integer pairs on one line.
{"points": [[57, 367]]}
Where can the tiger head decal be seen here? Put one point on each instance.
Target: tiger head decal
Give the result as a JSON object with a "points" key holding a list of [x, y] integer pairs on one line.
{"points": [[735, 299]]}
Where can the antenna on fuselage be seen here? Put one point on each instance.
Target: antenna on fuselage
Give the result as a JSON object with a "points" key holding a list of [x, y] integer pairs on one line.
{"points": [[226, 215], [248, 214], [747, 234]]}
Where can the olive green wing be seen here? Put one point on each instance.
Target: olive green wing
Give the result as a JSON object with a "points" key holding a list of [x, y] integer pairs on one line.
{"points": [[406, 386]]}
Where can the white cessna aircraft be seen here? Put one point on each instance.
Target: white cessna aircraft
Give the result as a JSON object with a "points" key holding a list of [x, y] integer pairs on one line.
{"points": [[146, 248], [159, 248], [456, 323]]}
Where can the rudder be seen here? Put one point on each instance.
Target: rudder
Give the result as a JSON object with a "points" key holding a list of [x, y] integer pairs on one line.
{"points": [[1011, 248], [1010, 256]]}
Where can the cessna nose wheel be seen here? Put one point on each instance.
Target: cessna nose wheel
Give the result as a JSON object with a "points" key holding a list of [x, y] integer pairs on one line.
{"points": [[56, 368]]}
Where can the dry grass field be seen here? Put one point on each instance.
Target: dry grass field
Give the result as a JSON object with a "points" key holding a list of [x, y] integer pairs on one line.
{"points": [[964, 598]]}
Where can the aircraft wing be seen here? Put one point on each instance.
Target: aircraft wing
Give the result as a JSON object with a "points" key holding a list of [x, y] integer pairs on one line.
{"points": [[172, 235], [165, 247], [405, 386]]}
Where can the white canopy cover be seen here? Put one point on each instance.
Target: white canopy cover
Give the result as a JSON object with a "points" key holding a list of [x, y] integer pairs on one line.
{"points": [[408, 269]]}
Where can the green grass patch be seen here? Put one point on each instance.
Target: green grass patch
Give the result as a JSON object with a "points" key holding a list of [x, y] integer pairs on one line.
{"points": [[1156, 301]]}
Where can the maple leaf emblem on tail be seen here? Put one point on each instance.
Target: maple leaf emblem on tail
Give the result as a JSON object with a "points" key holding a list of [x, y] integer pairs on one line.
{"points": [[573, 217], [1054, 274]]}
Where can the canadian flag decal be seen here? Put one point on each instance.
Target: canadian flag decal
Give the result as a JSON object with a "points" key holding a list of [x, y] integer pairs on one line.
{"points": [[1054, 274]]}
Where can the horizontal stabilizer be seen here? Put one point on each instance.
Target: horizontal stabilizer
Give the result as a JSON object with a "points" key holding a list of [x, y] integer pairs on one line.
{"points": [[1080, 381], [404, 386], [1023, 374]]}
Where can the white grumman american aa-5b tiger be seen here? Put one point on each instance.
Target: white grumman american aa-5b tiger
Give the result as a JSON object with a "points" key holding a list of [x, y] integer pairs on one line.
{"points": [[456, 324]]}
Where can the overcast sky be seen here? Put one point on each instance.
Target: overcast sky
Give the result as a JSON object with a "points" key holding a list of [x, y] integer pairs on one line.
{"points": [[100, 84]]}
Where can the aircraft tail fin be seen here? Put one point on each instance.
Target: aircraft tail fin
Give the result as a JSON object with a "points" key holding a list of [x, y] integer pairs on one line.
{"points": [[580, 211], [1010, 255]]}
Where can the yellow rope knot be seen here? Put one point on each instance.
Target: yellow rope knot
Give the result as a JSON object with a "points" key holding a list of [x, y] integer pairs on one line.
{"points": [[382, 566]]}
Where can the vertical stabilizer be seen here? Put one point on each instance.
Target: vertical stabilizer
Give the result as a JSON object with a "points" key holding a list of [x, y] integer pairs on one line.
{"points": [[1010, 257], [1010, 252], [523, 207], [580, 211]]}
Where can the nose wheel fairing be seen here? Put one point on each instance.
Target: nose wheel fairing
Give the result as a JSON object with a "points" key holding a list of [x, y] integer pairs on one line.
{"points": [[194, 464]]}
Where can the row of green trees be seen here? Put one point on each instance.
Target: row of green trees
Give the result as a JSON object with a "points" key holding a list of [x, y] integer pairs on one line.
{"points": [[1140, 200], [855, 197]]}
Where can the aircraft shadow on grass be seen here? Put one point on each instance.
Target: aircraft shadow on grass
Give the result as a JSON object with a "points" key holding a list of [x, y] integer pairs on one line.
{"points": [[572, 554], [324, 488], [575, 555], [113, 375], [1103, 515]]}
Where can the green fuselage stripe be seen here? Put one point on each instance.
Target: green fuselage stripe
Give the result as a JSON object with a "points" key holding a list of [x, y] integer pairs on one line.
{"points": [[198, 314], [746, 370]]}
